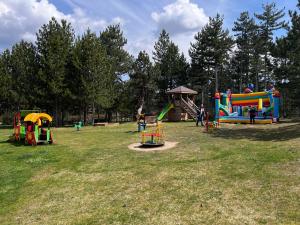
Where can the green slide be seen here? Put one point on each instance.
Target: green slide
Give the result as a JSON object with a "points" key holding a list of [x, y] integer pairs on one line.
{"points": [[164, 111], [224, 109], [269, 109]]}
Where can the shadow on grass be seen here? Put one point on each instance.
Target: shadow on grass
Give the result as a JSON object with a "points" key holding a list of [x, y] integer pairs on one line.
{"points": [[132, 132], [14, 143], [290, 120], [283, 133]]}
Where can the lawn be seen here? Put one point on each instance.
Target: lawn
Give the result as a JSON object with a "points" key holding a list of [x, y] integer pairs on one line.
{"points": [[240, 174]]}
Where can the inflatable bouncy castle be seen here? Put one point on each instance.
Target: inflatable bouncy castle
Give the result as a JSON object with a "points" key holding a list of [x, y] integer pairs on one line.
{"points": [[235, 108]]}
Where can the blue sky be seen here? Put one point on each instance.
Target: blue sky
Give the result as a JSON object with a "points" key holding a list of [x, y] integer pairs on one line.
{"points": [[141, 20]]}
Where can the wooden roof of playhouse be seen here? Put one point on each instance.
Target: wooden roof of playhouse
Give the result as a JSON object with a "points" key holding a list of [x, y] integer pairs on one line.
{"points": [[182, 90]]}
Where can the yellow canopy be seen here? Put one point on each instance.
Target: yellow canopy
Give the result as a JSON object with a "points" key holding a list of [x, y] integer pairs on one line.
{"points": [[34, 117]]}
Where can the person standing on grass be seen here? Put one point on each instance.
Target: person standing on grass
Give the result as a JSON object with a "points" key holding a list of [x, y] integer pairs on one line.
{"points": [[200, 115], [252, 115]]}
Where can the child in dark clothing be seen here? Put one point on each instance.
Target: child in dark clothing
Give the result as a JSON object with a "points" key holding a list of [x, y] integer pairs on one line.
{"points": [[200, 115], [252, 115]]}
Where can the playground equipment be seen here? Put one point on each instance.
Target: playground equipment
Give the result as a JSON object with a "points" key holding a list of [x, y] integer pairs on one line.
{"points": [[153, 138], [181, 105], [141, 122], [210, 125], [234, 108], [32, 128], [165, 111], [78, 125], [141, 126], [19, 133]]}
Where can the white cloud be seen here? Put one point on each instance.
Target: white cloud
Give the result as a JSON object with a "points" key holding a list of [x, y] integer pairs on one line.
{"points": [[140, 44], [180, 16], [21, 19], [147, 42], [81, 22], [184, 42], [182, 20]]}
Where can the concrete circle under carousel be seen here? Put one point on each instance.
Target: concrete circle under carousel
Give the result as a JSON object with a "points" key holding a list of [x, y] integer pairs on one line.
{"points": [[142, 148]]}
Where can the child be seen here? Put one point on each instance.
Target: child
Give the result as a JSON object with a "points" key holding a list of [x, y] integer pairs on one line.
{"points": [[252, 115], [200, 115]]}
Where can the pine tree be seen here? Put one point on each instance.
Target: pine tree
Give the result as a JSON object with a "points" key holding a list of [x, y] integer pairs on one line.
{"points": [[209, 55], [24, 68], [244, 29], [5, 82], [269, 21], [161, 48], [92, 78], [177, 67], [199, 75], [293, 48], [287, 72], [142, 82], [170, 63], [54, 44], [181, 73], [112, 38]]}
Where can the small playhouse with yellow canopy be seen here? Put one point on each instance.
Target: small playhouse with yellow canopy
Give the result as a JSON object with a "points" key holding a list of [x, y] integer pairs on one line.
{"points": [[234, 108], [32, 127]]}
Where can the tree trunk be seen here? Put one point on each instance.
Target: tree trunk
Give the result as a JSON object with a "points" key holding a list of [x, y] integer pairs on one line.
{"points": [[62, 117], [240, 84], [266, 73], [217, 80], [256, 78], [56, 113], [80, 112], [108, 116], [84, 114], [93, 111]]}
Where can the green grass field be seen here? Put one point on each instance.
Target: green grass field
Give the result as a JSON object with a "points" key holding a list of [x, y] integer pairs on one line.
{"points": [[240, 174]]}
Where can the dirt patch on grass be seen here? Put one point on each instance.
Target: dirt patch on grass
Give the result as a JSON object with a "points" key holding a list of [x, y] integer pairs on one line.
{"points": [[139, 147]]}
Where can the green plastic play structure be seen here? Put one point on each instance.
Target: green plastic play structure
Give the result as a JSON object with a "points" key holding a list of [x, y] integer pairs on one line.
{"points": [[78, 125], [165, 111]]}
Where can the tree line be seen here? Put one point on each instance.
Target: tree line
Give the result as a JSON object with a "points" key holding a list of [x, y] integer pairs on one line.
{"points": [[93, 73]]}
